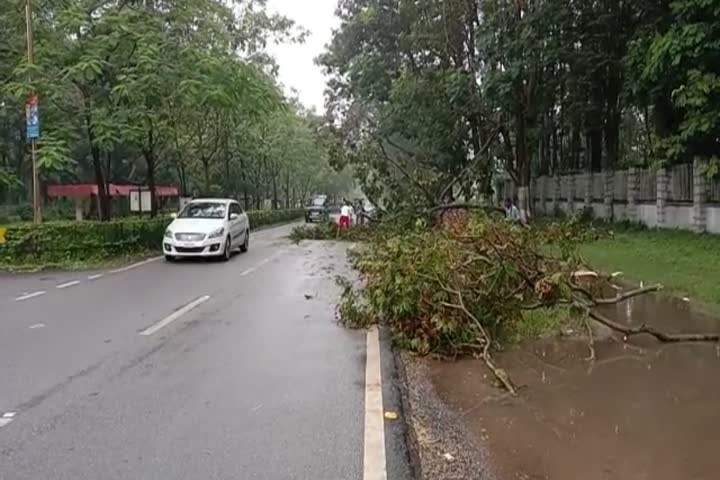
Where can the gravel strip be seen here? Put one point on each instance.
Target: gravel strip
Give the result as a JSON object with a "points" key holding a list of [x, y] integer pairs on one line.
{"points": [[440, 448]]}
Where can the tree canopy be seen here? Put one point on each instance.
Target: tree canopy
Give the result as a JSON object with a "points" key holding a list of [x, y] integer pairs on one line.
{"points": [[431, 98], [156, 91]]}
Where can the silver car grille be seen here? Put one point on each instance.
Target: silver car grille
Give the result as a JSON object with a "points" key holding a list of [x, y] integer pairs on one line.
{"points": [[190, 237]]}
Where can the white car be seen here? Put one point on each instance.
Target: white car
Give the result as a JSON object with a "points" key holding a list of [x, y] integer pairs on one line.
{"points": [[211, 227]]}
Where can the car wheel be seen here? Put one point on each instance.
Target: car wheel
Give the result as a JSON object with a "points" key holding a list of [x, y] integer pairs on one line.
{"points": [[227, 250], [246, 244], [169, 258]]}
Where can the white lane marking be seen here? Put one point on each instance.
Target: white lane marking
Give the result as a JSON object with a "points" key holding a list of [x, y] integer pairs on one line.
{"points": [[135, 265], [174, 316], [374, 466], [37, 325], [95, 277], [262, 262], [6, 418], [28, 296], [68, 284], [247, 272]]}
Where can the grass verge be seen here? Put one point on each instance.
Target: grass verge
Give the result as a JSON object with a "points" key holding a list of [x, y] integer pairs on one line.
{"points": [[685, 263]]}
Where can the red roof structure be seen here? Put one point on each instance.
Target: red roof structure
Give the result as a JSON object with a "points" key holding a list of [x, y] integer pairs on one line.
{"points": [[84, 190]]}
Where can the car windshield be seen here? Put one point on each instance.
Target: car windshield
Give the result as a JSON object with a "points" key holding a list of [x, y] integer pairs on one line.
{"points": [[317, 202], [204, 210]]}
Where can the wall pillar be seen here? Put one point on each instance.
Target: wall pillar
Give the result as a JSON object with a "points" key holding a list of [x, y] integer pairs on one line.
{"points": [[555, 195], [588, 190], [662, 195], [632, 208], [699, 195], [571, 193], [609, 194], [541, 194]]}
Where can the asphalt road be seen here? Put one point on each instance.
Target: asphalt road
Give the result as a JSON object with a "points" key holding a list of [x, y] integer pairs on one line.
{"points": [[193, 370]]}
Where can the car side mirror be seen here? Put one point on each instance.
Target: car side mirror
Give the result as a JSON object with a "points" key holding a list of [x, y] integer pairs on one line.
{"points": [[173, 216], [234, 216]]}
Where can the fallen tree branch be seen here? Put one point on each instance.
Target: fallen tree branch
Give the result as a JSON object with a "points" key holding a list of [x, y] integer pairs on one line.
{"points": [[591, 340], [628, 295], [647, 330], [499, 373]]}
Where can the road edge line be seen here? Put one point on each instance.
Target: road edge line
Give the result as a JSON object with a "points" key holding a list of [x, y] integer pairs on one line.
{"points": [[174, 316], [374, 462]]}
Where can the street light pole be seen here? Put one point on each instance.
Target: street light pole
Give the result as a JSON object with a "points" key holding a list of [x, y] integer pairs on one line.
{"points": [[37, 218]]}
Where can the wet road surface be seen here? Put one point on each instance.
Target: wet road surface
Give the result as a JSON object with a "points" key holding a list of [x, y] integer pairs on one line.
{"points": [[193, 370]]}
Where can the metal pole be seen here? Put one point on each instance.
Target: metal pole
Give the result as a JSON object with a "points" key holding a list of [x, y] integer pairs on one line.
{"points": [[37, 218]]}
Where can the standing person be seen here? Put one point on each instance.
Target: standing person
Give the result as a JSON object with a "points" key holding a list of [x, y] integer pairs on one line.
{"points": [[512, 212], [345, 213]]}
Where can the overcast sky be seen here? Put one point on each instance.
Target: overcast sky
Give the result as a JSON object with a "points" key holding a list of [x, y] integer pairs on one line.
{"points": [[297, 67]]}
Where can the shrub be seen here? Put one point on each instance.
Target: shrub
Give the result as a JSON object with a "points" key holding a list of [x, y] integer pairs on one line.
{"points": [[58, 242]]}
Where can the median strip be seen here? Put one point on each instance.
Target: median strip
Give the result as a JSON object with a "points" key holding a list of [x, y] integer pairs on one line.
{"points": [[174, 316]]}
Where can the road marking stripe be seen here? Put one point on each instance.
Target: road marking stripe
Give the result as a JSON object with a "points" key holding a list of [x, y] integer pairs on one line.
{"points": [[37, 325], [174, 316], [261, 263], [95, 277], [28, 296], [135, 265], [68, 284], [7, 418], [374, 466]]}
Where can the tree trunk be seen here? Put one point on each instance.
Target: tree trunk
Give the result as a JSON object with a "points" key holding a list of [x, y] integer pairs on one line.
{"points": [[612, 139], [103, 197], [206, 171], [596, 150], [151, 164], [522, 161], [275, 192]]}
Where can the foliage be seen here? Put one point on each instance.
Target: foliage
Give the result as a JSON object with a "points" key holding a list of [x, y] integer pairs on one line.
{"points": [[430, 100], [63, 242], [261, 218], [351, 312], [157, 92], [419, 282], [675, 68]]}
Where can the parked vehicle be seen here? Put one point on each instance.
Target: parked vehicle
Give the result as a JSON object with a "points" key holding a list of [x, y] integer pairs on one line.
{"points": [[212, 227], [317, 210]]}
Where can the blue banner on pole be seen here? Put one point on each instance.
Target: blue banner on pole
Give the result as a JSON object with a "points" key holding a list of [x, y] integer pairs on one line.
{"points": [[32, 118]]}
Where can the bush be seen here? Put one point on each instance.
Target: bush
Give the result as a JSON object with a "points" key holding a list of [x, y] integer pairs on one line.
{"points": [[61, 242], [259, 218], [57, 242]]}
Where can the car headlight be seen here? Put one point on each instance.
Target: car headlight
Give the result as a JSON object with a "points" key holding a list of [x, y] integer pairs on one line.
{"points": [[168, 233], [217, 233]]}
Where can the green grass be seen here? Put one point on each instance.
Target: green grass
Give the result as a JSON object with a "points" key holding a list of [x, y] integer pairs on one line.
{"points": [[683, 262], [540, 323]]}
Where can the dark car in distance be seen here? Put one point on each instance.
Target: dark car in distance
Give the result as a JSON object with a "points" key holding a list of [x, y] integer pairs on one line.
{"points": [[317, 209]]}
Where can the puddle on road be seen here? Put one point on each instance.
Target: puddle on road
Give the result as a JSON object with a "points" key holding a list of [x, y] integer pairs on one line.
{"points": [[643, 410]]}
